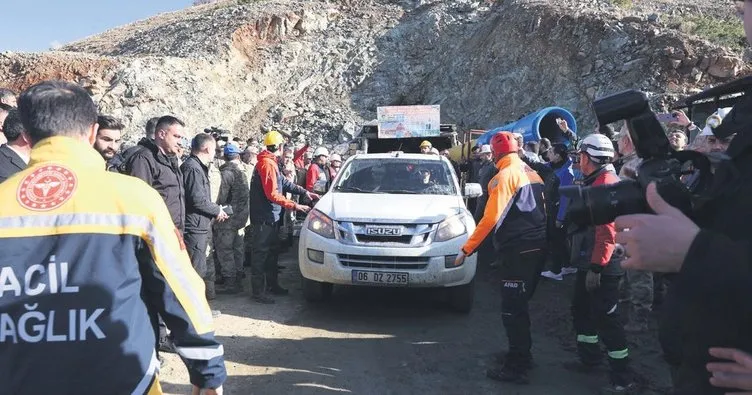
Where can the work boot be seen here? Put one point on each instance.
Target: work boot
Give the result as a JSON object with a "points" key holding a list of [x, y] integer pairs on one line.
{"points": [[629, 388], [526, 363], [211, 293], [263, 299], [278, 291], [166, 345], [509, 373], [234, 287]]}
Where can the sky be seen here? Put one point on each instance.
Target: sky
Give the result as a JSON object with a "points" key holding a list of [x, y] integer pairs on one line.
{"points": [[38, 25]]}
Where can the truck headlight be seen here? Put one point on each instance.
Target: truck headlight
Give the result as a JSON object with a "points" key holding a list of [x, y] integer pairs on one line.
{"points": [[451, 227], [321, 224]]}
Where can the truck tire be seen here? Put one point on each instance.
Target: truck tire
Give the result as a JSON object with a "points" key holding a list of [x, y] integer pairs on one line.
{"points": [[461, 298], [314, 291]]}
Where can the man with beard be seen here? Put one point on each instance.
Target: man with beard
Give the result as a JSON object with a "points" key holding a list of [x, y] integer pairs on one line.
{"points": [[108, 141]]}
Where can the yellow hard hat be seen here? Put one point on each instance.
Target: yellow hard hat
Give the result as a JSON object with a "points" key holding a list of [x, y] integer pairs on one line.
{"points": [[425, 143], [273, 138]]}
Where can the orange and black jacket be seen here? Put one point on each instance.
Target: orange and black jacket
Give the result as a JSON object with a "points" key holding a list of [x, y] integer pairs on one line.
{"points": [[268, 187], [88, 257], [515, 210]]}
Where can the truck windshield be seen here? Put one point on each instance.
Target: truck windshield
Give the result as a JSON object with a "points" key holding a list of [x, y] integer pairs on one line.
{"points": [[396, 176]]}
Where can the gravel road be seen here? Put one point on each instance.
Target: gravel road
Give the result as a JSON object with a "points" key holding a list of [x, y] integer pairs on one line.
{"points": [[386, 341]]}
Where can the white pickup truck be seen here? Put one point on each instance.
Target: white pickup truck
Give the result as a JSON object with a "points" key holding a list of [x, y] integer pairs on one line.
{"points": [[393, 220]]}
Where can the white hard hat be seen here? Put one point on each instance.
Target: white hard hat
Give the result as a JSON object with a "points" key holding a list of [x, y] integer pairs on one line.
{"points": [[598, 147], [320, 151], [715, 121], [485, 149], [335, 157]]}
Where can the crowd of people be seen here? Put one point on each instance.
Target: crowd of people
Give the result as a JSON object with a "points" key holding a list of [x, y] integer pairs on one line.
{"points": [[122, 244], [521, 234], [232, 202]]}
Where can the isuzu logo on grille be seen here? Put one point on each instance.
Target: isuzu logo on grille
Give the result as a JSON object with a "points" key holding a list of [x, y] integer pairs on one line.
{"points": [[384, 230]]}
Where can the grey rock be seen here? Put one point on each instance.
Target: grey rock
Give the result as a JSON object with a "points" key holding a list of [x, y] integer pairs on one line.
{"points": [[319, 69]]}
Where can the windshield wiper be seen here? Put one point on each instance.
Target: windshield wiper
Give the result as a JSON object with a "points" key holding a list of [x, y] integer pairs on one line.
{"points": [[352, 189], [401, 192]]}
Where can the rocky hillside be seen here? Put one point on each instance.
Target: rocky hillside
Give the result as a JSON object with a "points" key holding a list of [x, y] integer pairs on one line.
{"points": [[320, 68]]}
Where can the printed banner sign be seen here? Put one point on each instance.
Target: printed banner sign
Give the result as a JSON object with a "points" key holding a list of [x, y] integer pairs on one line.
{"points": [[408, 121]]}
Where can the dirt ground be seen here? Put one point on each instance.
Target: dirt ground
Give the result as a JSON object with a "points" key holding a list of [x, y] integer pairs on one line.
{"points": [[387, 341]]}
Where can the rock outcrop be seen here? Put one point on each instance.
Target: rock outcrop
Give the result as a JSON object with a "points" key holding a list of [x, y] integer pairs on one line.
{"points": [[319, 69]]}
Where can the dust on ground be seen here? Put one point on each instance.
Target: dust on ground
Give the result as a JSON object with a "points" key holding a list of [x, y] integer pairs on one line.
{"points": [[392, 341]]}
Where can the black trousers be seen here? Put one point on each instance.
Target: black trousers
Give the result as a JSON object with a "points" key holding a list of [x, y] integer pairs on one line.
{"points": [[596, 317], [265, 256], [472, 203], [196, 244], [520, 272], [558, 248]]}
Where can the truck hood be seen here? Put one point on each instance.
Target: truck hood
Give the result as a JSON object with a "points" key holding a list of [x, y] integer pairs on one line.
{"points": [[388, 208]]}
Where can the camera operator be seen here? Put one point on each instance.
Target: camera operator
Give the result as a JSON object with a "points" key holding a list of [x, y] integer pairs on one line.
{"points": [[712, 295]]}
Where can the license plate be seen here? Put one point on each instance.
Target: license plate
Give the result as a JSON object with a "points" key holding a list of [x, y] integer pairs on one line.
{"points": [[384, 230], [380, 278]]}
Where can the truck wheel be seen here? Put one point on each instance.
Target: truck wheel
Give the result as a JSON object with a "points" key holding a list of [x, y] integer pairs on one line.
{"points": [[314, 291], [461, 298]]}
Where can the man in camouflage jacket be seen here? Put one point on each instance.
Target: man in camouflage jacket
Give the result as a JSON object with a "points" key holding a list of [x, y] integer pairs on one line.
{"points": [[229, 239]]}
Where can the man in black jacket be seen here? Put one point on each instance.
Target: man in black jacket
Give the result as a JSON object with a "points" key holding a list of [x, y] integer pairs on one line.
{"points": [[200, 208], [124, 157], [712, 295], [14, 155], [155, 162]]}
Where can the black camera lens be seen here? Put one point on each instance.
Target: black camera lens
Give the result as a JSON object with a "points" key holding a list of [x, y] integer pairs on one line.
{"points": [[601, 204]]}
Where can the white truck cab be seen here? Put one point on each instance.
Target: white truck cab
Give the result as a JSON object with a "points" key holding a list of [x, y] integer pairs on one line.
{"points": [[392, 220]]}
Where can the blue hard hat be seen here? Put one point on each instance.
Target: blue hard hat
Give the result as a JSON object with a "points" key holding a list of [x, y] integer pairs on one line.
{"points": [[231, 148]]}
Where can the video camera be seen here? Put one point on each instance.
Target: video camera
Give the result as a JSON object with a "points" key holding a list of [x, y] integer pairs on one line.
{"points": [[218, 134], [598, 205]]}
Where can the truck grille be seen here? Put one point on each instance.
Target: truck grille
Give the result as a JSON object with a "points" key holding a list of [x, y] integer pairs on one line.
{"points": [[407, 235], [383, 262]]}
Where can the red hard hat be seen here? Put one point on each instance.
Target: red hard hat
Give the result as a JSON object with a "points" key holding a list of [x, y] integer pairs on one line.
{"points": [[504, 143]]}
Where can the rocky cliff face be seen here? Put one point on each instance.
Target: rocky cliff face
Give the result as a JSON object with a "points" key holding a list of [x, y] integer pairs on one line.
{"points": [[320, 68]]}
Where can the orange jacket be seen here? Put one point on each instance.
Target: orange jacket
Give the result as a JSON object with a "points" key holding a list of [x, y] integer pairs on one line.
{"points": [[515, 210]]}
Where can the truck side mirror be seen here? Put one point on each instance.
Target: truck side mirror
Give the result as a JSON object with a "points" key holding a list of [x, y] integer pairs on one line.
{"points": [[473, 190], [320, 187]]}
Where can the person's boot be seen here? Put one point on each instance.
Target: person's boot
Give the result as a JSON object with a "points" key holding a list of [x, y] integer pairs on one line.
{"points": [[261, 298], [211, 292], [622, 378], [510, 373], [527, 363], [166, 345], [220, 280], [234, 287], [278, 291], [638, 321]]}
